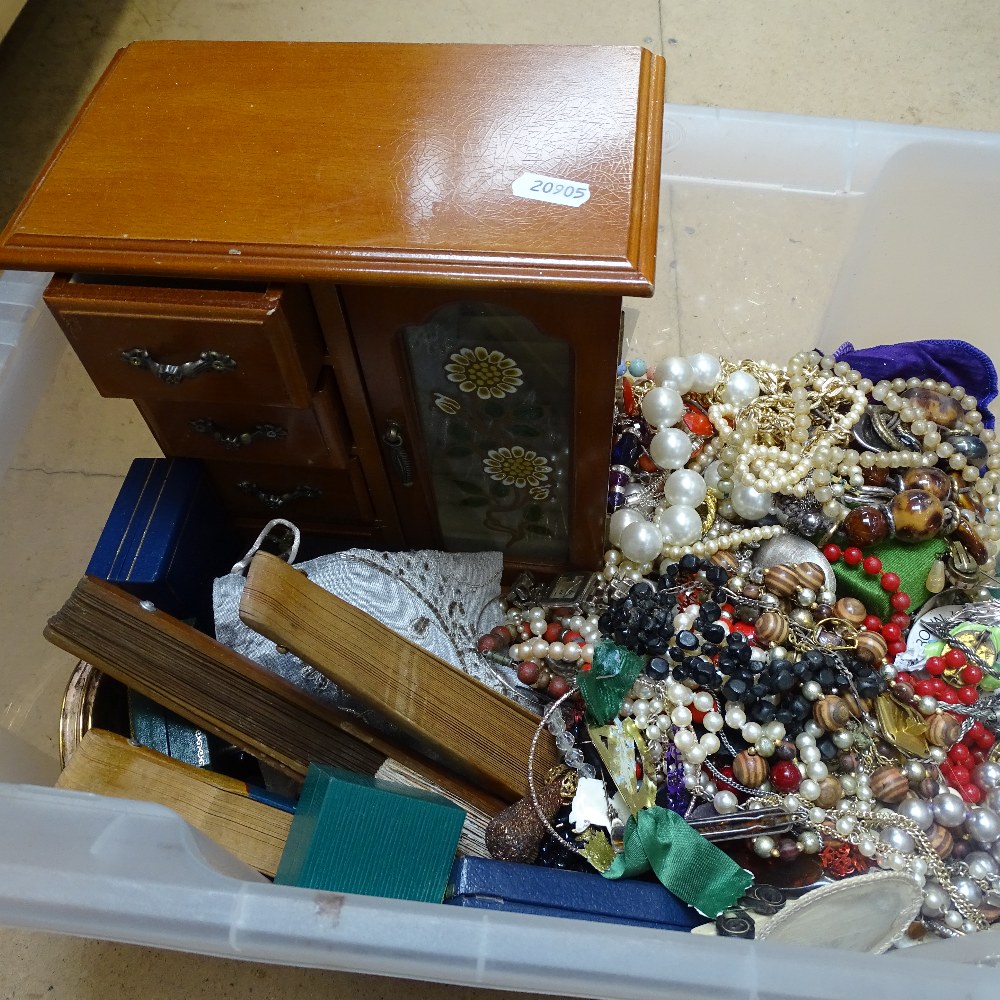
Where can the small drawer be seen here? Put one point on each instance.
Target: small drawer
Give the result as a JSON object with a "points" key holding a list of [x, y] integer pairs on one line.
{"points": [[187, 342], [316, 436], [332, 497]]}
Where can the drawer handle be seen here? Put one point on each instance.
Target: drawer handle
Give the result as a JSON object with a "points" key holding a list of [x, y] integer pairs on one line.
{"points": [[238, 439], [393, 438], [275, 500], [208, 361]]}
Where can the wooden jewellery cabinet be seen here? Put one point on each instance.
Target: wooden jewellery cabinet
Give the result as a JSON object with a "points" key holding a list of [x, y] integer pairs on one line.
{"points": [[376, 288]]}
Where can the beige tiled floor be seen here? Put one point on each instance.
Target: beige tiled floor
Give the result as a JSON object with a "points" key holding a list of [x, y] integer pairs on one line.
{"points": [[907, 61]]}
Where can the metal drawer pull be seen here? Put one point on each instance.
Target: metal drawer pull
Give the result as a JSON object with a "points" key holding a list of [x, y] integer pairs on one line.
{"points": [[208, 361], [276, 500], [238, 439], [393, 437]]}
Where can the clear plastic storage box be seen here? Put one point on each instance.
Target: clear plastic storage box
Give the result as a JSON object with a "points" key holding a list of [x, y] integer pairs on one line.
{"points": [[775, 232]]}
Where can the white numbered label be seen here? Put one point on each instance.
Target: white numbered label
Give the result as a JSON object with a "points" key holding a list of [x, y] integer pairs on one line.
{"points": [[555, 190]]}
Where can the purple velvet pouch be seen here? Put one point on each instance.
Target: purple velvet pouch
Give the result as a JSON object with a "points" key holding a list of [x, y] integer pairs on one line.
{"points": [[951, 361]]}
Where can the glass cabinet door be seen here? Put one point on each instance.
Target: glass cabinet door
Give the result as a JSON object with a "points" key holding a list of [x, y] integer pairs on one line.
{"points": [[483, 404], [493, 397]]}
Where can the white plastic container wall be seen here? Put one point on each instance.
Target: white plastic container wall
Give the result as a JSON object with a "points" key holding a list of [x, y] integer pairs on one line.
{"points": [[775, 231]]}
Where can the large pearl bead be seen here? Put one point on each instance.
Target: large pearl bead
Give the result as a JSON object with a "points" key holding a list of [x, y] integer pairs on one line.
{"points": [[987, 774], [662, 407], [680, 525], [641, 541], [949, 809], [898, 839], [749, 504], [983, 826], [968, 890], [685, 487], [918, 811], [675, 373], [706, 369], [741, 388], [619, 520], [670, 448], [981, 865]]}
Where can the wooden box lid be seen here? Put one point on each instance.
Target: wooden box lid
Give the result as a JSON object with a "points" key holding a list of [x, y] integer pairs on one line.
{"points": [[360, 162]]}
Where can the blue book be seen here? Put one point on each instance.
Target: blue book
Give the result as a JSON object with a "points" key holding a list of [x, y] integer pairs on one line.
{"points": [[551, 892]]}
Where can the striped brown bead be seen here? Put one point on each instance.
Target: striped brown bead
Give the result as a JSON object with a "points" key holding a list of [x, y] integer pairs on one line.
{"points": [[855, 705], [872, 648], [889, 784], [810, 575], [851, 610], [940, 840], [726, 560], [943, 730], [771, 629], [831, 713], [750, 769], [783, 581]]}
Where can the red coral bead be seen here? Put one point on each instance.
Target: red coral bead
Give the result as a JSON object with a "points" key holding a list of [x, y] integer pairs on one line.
{"points": [[901, 618], [872, 565], [553, 631], [968, 695], [971, 674], [900, 600], [949, 696], [972, 793], [891, 632], [895, 648], [785, 776], [935, 665], [960, 754], [959, 774], [955, 658], [924, 687], [985, 740], [872, 623], [889, 582], [832, 552], [853, 555]]}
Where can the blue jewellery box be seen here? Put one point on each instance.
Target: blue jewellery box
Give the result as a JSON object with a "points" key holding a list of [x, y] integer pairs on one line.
{"points": [[551, 892], [166, 538]]}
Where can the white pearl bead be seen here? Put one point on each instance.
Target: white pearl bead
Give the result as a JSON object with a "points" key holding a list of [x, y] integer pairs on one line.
{"points": [[705, 369], [725, 802], [685, 740], [676, 373], [713, 722], [685, 488], [735, 718], [619, 520], [681, 716], [680, 525], [641, 541], [710, 743], [751, 732], [662, 407], [741, 388], [711, 476], [670, 448], [749, 503], [703, 701]]}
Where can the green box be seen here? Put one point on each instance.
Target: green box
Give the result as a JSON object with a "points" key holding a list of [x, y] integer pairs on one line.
{"points": [[359, 834]]}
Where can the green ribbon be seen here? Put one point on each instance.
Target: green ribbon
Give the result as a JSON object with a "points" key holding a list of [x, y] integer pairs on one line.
{"points": [[687, 864], [911, 563], [611, 677]]}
